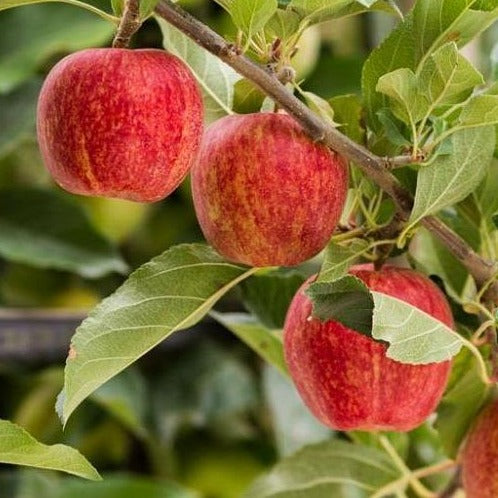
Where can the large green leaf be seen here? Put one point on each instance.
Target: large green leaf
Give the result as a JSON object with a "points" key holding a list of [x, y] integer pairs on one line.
{"points": [[17, 447], [335, 469], [265, 342], [124, 487], [215, 78], [44, 229], [447, 77], [401, 86], [30, 36], [464, 397], [17, 115], [450, 178], [171, 292], [428, 27], [414, 336], [293, 424]]}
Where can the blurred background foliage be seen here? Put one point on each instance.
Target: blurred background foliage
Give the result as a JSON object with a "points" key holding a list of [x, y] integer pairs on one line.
{"points": [[201, 416]]}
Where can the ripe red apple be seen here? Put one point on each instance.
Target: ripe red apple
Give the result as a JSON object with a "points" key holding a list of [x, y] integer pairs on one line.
{"points": [[120, 123], [346, 379], [265, 194], [480, 456]]}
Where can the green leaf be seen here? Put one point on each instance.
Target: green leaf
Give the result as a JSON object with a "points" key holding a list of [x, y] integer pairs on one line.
{"points": [[31, 36], [338, 259], [207, 387], [391, 127], [336, 301], [17, 447], [117, 7], [433, 258], [43, 229], [316, 11], [401, 85], [348, 112], [268, 295], [283, 24], [293, 424], [447, 77], [147, 8], [462, 401], [265, 342], [320, 107], [125, 398], [7, 4], [414, 337], [449, 179], [428, 27], [482, 110], [251, 16], [216, 79], [171, 292], [334, 468], [123, 487], [485, 194], [17, 116]]}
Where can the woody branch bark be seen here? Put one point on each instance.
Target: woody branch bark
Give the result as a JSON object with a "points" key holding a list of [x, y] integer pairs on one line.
{"points": [[373, 166]]}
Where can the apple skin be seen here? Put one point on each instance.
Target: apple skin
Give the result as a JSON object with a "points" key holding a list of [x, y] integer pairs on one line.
{"points": [[479, 457], [264, 193], [120, 123], [346, 379]]}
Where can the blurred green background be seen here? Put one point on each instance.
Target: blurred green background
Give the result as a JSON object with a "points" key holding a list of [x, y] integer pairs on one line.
{"points": [[200, 417]]}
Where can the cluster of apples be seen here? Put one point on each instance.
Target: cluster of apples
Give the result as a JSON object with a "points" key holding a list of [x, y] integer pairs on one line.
{"points": [[129, 124]]}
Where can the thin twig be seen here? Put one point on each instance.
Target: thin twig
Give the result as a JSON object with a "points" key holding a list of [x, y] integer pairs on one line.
{"points": [[319, 130], [129, 24]]}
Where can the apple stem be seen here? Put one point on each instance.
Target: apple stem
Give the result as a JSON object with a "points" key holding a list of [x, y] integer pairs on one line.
{"points": [[375, 167], [129, 24]]}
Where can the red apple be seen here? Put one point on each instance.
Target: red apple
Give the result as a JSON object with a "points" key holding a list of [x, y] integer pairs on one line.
{"points": [[480, 456], [120, 123], [265, 194], [346, 379]]}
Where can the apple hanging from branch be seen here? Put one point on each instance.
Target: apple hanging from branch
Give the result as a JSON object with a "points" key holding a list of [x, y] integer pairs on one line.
{"points": [[345, 377], [120, 123], [265, 194]]}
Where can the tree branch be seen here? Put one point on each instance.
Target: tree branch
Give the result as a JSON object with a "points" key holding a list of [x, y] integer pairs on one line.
{"points": [[373, 166], [128, 25]]}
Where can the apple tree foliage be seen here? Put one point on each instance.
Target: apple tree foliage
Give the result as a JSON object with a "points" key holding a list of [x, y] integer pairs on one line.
{"points": [[419, 95]]}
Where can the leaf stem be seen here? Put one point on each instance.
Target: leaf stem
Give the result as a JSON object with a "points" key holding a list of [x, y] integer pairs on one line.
{"points": [[411, 479], [483, 370], [400, 484]]}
